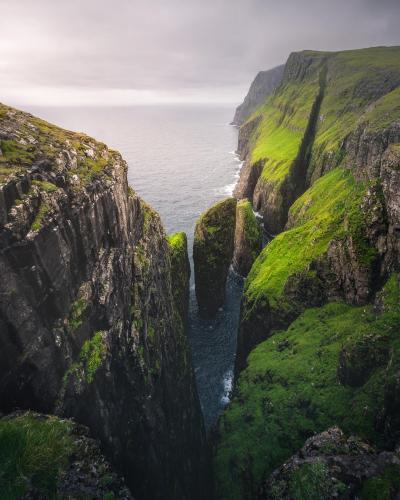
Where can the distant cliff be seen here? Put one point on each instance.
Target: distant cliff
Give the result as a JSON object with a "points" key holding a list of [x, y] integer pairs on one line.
{"points": [[89, 327], [263, 85]]}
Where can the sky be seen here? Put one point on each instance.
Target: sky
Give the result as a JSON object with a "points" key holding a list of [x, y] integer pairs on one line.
{"points": [[121, 52]]}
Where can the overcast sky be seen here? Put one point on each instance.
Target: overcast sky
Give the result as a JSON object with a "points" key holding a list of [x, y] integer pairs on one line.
{"points": [[140, 51]]}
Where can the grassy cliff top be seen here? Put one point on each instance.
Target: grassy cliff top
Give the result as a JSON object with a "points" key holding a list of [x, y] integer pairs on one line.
{"points": [[27, 141], [360, 86]]}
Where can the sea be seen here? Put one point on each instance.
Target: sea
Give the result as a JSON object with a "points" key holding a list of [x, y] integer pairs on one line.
{"points": [[181, 160]]}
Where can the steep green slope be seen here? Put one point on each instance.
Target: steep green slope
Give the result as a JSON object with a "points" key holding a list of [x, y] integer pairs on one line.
{"points": [[334, 113], [330, 367], [317, 334], [301, 130]]}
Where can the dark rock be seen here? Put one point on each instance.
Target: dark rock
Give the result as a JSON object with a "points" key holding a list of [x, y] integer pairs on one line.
{"points": [[359, 359], [212, 254], [332, 466]]}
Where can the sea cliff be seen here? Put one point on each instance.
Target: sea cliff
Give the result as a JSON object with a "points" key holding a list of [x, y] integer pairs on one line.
{"points": [[89, 326], [317, 342]]}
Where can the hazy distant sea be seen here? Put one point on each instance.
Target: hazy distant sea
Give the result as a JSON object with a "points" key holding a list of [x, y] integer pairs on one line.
{"points": [[181, 160]]}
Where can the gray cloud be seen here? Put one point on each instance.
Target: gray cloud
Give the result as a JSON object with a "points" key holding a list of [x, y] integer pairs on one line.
{"points": [[192, 47]]}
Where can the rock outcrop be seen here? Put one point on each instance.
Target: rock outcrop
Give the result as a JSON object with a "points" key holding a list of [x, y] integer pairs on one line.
{"points": [[44, 456], [88, 322], [329, 465], [180, 273], [263, 85], [248, 238], [212, 254]]}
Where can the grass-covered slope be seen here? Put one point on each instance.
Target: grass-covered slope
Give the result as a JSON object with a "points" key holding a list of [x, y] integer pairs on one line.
{"points": [[332, 366], [287, 277], [323, 136], [303, 127]]}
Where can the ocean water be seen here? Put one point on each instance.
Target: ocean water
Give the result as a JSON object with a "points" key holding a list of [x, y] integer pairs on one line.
{"points": [[181, 160]]}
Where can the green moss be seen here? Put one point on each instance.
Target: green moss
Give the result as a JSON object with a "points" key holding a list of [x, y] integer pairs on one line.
{"points": [[33, 451], [77, 311], [382, 487], [91, 357], [48, 187], [44, 210], [15, 152], [6, 172], [290, 391], [311, 482]]}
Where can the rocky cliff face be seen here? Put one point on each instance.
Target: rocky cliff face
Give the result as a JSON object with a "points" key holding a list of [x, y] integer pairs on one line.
{"points": [[212, 254], [263, 86], [248, 238], [88, 323]]}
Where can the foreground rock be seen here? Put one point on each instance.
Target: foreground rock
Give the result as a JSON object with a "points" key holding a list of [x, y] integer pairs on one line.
{"points": [[248, 238], [212, 254], [43, 456], [332, 466], [88, 322]]}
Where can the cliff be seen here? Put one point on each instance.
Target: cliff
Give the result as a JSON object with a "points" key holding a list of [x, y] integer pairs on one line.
{"points": [[212, 254], [88, 323], [262, 86], [317, 342]]}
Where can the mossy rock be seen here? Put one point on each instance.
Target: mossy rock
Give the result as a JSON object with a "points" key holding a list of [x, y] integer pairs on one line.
{"points": [[248, 238], [180, 273], [212, 254]]}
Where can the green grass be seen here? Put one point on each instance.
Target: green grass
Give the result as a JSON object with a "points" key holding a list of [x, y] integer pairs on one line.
{"points": [[77, 311], [91, 357], [48, 141], [351, 96], [44, 210], [317, 218], [32, 450], [382, 487], [291, 390], [46, 186]]}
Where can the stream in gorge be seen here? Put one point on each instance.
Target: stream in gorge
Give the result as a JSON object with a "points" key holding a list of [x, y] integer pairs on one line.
{"points": [[181, 160]]}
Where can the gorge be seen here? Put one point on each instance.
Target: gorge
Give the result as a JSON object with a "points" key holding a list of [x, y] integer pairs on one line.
{"points": [[97, 312]]}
